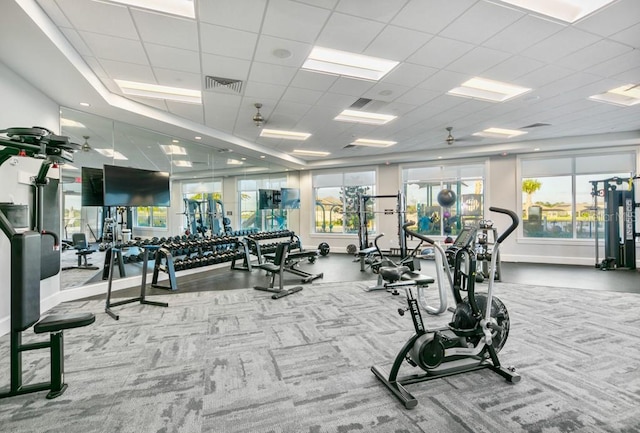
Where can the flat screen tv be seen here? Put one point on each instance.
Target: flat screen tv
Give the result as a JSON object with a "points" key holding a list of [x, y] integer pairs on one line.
{"points": [[134, 187], [92, 186]]}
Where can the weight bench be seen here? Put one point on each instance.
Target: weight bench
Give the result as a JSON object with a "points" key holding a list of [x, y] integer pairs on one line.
{"points": [[277, 267], [292, 261], [25, 313], [363, 254]]}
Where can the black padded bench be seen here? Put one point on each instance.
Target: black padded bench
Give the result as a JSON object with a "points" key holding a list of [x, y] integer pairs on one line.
{"points": [[292, 260], [363, 254], [25, 313]]}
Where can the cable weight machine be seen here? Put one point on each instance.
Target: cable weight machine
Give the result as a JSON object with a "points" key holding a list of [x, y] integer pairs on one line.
{"points": [[619, 222]]}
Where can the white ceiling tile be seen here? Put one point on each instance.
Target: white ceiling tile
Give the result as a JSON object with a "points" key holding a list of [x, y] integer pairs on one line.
{"points": [[522, 34], [166, 30], [128, 71], [112, 48], [478, 60], [350, 86], [386, 45], [544, 75], [589, 56], [378, 10], [617, 65], [512, 68], [225, 67], [151, 102], [302, 96], [268, 73], [560, 44], [173, 58], [337, 100], [408, 74], [629, 76], [173, 78], [243, 15], [385, 92], [431, 16], [566, 84], [348, 33], [439, 52], [612, 19], [268, 47], [96, 67], [473, 25], [53, 11], [291, 20], [629, 36], [417, 96], [313, 80], [227, 42], [100, 17], [443, 81], [193, 112], [260, 91]]}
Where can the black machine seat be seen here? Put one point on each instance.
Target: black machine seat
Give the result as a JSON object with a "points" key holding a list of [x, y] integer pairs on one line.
{"points": [[81, 246], [419, 279], [392, 274], [277, 267], [59, 322]]}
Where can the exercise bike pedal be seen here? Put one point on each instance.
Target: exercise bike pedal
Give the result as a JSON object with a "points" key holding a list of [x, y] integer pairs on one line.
{"points": [[402, 310]]}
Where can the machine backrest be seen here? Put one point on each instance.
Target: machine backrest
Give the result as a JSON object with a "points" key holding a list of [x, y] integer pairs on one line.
{"points": [[79, 241], [25, 279], [281, 253]]}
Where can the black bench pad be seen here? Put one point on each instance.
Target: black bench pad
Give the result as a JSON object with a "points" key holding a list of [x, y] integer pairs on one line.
{"points": [[367, 251], [58, 322]]}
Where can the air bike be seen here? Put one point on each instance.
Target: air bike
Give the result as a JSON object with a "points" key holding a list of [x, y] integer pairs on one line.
{"points": [[472, 339]]}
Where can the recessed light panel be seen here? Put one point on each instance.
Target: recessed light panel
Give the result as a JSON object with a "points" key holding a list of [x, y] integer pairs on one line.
{"points": [[348, 64], [625, 96], [310, 152], [181, 163], [488, 90], [183, 8], [110, 153], [364, 117], [565, 10], [172, 149], [373, 143], [231, 161], [286, 135], [71, 123], [154, 91], [499, 133]]}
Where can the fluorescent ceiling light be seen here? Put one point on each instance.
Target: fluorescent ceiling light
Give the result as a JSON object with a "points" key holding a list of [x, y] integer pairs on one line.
{"points": [[499, 133], [71, 123], [181, 163], [184, 8], [172, 149], [110, 153], [488, 90], [147, 90], [626, 95], [373, 143], [231, 161], [310, 152], [566, 10], [364, 117], [347, 64], [287, 135]]}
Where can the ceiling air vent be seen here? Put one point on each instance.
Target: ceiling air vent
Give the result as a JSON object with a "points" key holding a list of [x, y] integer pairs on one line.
{"points": [[219, 83], [350, 146], [360, 103]]}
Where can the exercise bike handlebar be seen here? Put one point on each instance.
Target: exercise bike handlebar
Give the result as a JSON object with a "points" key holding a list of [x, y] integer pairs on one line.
{"points": [[514, 222]]}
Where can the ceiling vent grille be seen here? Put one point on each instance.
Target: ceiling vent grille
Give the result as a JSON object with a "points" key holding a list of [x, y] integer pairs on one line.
{"points": [[536, 125], [220, 83], [360, 103]]}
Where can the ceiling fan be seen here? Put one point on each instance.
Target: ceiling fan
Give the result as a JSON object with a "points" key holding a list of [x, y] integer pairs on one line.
{"points": [[257, 118], [450, 138], [85, 146]]}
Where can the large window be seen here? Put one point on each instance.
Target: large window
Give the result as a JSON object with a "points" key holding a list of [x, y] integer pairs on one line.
{"points": [[151, 217], [423, 186], [557, 200], [336, 200], [250, 214]]}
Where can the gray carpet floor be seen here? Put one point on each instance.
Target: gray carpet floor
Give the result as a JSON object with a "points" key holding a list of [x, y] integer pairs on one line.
{"points": [[238, 361]]}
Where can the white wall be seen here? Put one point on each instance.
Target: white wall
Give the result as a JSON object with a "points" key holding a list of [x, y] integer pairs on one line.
{"points": [[22, 105]]}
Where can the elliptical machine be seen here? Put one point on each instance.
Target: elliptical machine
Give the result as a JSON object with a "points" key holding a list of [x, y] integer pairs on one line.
{"points": [[472, 339]]}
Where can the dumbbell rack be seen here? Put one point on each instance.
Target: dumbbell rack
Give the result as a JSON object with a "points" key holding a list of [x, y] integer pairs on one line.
{"points": [[191, 253], [263, 243]]}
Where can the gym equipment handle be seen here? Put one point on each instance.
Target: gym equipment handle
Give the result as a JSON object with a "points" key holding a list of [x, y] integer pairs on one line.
{"points": [[416, 235], [514, 222]]}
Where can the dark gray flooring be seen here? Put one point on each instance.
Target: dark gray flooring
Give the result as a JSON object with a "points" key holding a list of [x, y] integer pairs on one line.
{"points": [[342, 267]]}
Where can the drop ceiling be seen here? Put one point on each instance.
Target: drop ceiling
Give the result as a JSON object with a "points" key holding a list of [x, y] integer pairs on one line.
{"points": [[262, 44]]}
